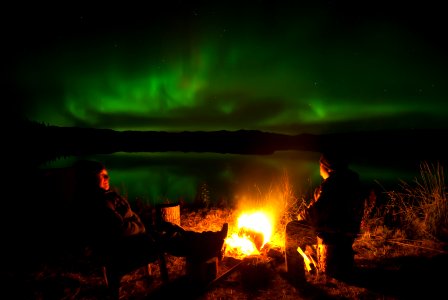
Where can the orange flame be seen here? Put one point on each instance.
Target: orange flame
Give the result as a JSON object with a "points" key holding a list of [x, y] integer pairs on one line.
{"points": [[310, 264], [242, 244]]}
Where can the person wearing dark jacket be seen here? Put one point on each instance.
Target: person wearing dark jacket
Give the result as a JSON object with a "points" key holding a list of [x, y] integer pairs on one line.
{"points": [[106, 220], [333, 215]]}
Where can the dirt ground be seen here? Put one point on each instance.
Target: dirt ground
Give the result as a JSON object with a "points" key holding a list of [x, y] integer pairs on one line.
{"points": [[258, 277]]}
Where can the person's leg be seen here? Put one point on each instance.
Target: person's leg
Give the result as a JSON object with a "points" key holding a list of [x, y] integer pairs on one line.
{"points": [[339, 259], [297, 234], [194, 245], [138, 250]]}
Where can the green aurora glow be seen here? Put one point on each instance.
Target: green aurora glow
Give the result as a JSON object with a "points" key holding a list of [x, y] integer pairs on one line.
{"points": [[278, 69]]}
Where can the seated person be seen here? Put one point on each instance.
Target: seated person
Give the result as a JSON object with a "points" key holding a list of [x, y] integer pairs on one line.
{"points": [[334, 215], [108, 221]]}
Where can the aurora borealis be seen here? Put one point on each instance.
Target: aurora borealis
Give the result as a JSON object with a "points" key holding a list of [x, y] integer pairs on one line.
{"points": [[315, 68]]}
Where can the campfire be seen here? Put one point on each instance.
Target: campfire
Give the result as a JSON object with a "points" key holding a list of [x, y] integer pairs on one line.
{"points": [[253, 234], [254, 231], [255, 244]]}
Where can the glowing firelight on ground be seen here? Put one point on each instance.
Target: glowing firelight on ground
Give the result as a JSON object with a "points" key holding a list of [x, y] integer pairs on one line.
{"points": [[254, 231]]}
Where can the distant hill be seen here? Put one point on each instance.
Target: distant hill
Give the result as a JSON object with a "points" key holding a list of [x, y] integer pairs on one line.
{"points": [[41, 142]]}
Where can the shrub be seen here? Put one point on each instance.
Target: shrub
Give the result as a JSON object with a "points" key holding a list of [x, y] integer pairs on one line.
{"points": [[421, 208]]}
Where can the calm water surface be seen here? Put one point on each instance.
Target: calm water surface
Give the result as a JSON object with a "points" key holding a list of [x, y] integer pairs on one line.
{"points": [[159, 177]]}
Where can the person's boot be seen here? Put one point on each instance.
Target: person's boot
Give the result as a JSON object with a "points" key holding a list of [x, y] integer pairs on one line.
{"points": [[205, 245], [216, 243]]}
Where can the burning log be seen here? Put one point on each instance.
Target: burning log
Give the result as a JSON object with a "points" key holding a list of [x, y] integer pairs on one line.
{"points": [[254, 236]]}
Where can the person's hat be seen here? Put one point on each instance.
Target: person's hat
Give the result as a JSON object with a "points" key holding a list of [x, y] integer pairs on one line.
{"points": [[334, 160]]}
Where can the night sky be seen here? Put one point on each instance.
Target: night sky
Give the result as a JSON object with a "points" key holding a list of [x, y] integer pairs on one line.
{"points": [[262, 65]]}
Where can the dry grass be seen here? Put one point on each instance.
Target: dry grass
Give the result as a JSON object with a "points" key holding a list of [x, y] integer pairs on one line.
{"points": [[421, 209]]}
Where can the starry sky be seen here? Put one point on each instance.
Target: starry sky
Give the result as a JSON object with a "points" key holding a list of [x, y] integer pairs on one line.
{"points": [[320, 67]]}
